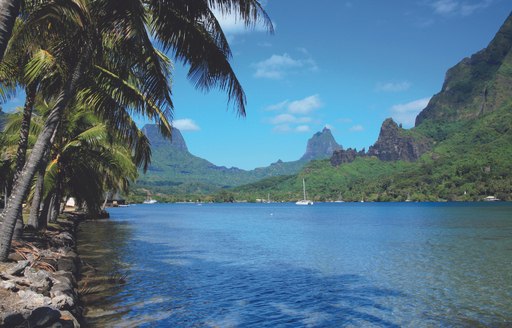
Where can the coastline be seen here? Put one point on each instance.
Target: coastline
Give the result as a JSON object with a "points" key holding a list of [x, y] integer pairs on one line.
{"points": [[39, 284]]}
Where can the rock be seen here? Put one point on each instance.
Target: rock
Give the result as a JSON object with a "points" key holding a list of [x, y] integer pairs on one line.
{"points": [[31, 299], [9, 285], [43, 316], [64, 239], [39, 280], [64, 277], [395, 144], [321, 145], [345, 156], [15, 257], [63, 302], [18, 268], [67, 317], [68, 264], [13, 320]]}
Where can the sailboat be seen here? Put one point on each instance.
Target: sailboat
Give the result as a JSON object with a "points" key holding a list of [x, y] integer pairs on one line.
{"points": [[304, 201], [149, 200]]}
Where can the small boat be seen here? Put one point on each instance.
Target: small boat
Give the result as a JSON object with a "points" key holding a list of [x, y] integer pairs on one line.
{"points": [[491, 199], [304, 201], [149, 200]]}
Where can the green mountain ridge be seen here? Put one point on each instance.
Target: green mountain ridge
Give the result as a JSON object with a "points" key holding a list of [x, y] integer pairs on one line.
{"points": [[174, 170], [459, 150]]}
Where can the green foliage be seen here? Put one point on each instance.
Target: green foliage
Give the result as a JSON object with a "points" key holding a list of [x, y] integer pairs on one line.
{"points": [[471, 160]]}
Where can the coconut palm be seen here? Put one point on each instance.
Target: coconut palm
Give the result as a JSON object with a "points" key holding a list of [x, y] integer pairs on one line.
{"points": [[9, 10], [188, 29], [109, 164]]}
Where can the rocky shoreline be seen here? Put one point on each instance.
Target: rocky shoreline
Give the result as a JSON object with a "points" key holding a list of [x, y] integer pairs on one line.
{"points": [[38, 287]]}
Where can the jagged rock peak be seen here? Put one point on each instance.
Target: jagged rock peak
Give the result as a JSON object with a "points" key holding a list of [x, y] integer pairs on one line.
{"points": [[349, 155], [152, 131], [395, 144], [321, 145], [476, 85]]}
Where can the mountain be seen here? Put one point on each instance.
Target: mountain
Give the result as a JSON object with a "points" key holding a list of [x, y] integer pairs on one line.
{"points": [[477, 85], [460, 148], [320, 146], [175, 170]]}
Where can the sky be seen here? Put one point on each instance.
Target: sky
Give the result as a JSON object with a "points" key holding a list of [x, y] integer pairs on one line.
{"points": [[345, 65]]}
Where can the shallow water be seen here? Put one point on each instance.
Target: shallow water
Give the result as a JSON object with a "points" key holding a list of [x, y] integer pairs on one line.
{"points": [[282, 265]]}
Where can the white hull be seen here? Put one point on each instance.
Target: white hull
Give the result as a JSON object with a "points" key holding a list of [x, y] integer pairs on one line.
{"points": [[304, 202], [151, 201]]}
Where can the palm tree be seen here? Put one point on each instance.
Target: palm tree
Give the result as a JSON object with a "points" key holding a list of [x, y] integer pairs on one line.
{"points": [[9, 10], [188, 29]]}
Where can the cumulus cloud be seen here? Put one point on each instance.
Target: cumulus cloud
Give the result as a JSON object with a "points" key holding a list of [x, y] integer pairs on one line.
{"points": [[456, 7], [233, 24], [294, 114], [302, 128], [357, 128], [406, 113], [279, 66], [305, 106], [282, 128], [289, 118], [186, 124], [278, 106], [393, 86]]}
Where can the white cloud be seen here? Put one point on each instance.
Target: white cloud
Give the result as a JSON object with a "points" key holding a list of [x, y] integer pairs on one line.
{"points": [[279, 66], [393, 86], [186, 124], [305, 106], [293, 115], [456, 7], [283, 128], [406, 113], [302, 128], [277, 106], [444, 7], [233, 24], [288, 118], [357, 128]]}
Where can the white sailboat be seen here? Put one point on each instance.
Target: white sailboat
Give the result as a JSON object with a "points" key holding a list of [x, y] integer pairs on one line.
{"points": [[304, 201], [149, 200]]}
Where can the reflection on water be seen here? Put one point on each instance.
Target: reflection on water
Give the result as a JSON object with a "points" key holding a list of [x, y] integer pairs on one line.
{"points": [[382, 265]]}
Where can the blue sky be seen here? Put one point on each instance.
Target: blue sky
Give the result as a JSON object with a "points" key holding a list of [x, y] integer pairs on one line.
{"points": [[344, 64], [347, 65]]}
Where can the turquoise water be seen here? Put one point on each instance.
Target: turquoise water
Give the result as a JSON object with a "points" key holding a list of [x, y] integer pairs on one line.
{"points": [[282, 265]]}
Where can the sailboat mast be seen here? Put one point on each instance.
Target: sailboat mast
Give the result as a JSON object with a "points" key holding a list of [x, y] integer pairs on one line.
{"points": [[304, 188]]}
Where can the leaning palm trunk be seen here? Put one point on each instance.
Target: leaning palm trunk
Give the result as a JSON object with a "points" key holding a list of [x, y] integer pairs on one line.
{"points": [[55, 209], [19, 190], [9, 10], [21, 153], [36, 200]]}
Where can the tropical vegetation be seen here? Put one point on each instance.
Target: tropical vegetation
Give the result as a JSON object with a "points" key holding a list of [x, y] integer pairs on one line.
{"points": [[98, 58]]}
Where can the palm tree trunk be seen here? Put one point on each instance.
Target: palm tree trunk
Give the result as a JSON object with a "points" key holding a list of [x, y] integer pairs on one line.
{"points": [[10, 214], [9, 10], [21, 153], [36, 200], [49, 217], [55, 209], [43, 216]]}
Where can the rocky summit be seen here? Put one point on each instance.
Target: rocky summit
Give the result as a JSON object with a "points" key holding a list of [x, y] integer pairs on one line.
{"points": [[395, 144], [320, 146]]}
